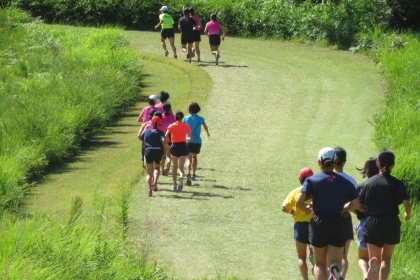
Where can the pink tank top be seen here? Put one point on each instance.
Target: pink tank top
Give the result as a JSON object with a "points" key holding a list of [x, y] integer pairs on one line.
{"points": [[213, 27]]}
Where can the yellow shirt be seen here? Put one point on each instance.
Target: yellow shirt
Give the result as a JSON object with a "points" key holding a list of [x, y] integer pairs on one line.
{"points": [[290, 202]]}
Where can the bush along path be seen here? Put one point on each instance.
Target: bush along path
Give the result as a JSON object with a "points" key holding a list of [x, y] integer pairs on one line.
{"points": [[270, 107]]}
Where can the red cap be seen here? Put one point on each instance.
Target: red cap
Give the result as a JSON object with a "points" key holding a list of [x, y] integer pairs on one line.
{"points": [[156, 120], [305, 173]]}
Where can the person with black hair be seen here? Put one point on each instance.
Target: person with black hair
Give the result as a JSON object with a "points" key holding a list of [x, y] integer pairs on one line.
{"points": [[341, 159], [196, 34], [163, 98], [370, 169], [195, 122], [212, 30], [167, 23], [381, 195], [301, 224], [153, 140], [178, 132], [331, 194], [186, 25]]}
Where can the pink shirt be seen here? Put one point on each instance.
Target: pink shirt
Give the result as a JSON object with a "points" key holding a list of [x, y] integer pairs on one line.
{"points": [[167, 120], [144, 115], [213, 27], [197, 22]]}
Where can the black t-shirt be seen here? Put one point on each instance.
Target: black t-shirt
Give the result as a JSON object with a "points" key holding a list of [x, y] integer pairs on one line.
{"points": [[187, 24], [382, 194]]}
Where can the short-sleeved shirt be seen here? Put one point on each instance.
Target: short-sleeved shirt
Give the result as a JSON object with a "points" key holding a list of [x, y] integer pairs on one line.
{"points": [[179, 131], [329, 192], [187, 24], [167, 120], [144, 115], [195, 121], [197, 20], [152, 138], [290, 202], [167, 21], [382, 194]]}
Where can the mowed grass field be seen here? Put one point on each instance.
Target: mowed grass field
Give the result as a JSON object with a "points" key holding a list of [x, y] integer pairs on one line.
{"points": [[270, 106]]}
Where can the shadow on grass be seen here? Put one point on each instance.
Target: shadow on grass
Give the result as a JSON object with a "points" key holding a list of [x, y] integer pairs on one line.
{"points": [[221, 64], [192, 195]]}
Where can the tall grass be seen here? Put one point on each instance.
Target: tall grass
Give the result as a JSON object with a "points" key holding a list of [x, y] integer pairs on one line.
{"points": [[43, 248], [57, 88]]}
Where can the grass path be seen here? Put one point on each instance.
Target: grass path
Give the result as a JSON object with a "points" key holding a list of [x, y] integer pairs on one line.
{"points": [[271, 107]]}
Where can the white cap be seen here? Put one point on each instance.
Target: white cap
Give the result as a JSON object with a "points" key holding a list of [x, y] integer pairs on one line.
{"points": [[326, 153], [164, 8], [153, 97]]}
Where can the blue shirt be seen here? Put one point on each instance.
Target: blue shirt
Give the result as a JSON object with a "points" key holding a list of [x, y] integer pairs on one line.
{"points": [[329, 192], [194, 121], [152, 138]]}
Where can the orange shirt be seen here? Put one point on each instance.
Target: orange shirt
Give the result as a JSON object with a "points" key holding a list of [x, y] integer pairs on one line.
{"points": [[179, 131]]}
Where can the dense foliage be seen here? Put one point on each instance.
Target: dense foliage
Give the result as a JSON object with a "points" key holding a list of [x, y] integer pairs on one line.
{"points": [[56, 89]]}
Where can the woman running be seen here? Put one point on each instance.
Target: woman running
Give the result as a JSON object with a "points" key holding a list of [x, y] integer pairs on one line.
{"points": [[153, 140], [186, 25], [381, 196], [331, 194], [163, 98], [178, 132], [301, 226], [168, 118], [212, 30], [370, 169], [196, 34], [167, 23], [341, 159], [144, 115], [194, 146]]}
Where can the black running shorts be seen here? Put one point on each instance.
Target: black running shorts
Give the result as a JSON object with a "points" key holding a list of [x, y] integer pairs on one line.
{"points": [[214, 40], [167, 33], [194, 148], [382, 229], [179, 149], [187, 38], [197, 35], [327, 229], [153, 156]]}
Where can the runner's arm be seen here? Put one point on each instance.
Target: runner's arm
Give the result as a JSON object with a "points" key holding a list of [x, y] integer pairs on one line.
{"points": [[407, 206], [206, 129]]}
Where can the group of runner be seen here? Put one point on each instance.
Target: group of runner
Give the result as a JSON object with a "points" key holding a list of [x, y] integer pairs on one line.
{"points": [[190, 27], [170, 138], [321, 205]]}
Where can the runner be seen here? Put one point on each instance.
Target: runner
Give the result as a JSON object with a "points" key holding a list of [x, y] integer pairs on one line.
{"points": [[168, 118], [163, 98], [195, 122], [186, 25], [301, 224], [167, 23], [144, 115], [212, 30], [370, 169], [341, 160], [196, 34], [141, 130], [381, 195], [179, 150], [331, 194], [153, 140]]}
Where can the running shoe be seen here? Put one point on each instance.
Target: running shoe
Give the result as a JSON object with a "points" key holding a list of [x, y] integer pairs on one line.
{"points": [[193, 53], [175, 56], [150, 193], [217, 54], [335, 273], [193, 177], [181, 182], [373, 270], [154, 188], [198, 60], [166, 53], [188, 179], [174, 188]]}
